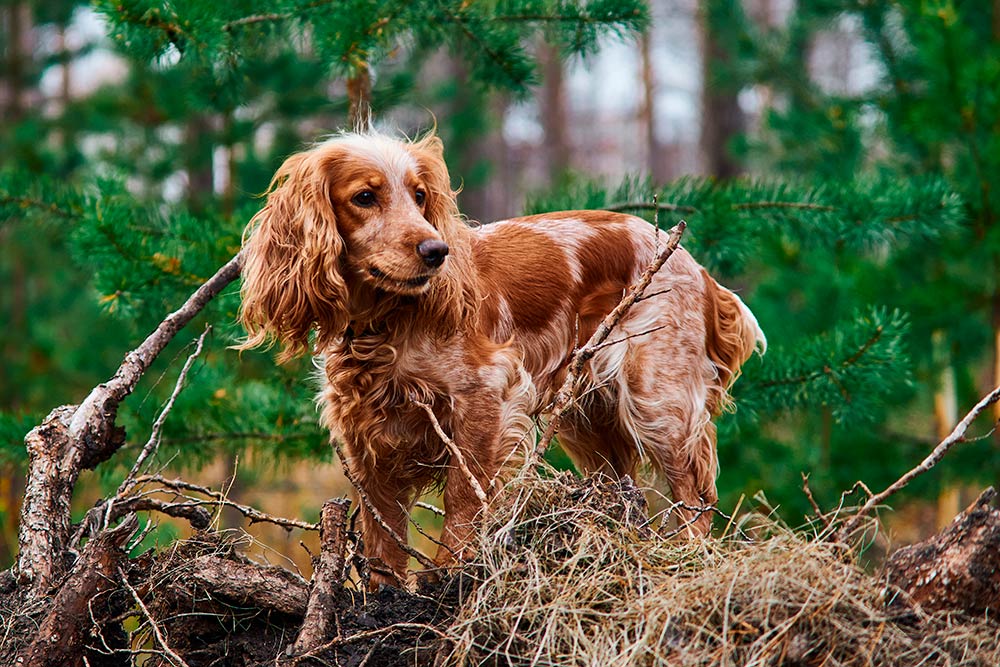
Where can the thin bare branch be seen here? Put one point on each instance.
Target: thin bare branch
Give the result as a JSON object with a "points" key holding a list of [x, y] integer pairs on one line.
{"points": [[154, 626], [956, 436], [367, 502], [616, 341], [103, 401], [371, 634], [155, 433], [91, 523], [459, 457], [812, 501], [430, 508], [219, 499]]}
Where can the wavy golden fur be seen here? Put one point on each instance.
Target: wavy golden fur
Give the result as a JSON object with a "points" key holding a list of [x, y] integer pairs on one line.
{"points": [[361, 241]]}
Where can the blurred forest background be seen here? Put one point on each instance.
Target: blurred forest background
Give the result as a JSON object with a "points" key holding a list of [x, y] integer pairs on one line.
{"points": [[838, 163]]}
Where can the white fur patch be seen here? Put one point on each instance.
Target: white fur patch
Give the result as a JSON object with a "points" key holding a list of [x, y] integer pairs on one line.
{"points": [[388, 155]]}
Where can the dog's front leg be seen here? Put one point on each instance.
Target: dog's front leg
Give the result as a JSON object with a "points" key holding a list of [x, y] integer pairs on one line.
{"points": [[388, 496], [477, 437]]}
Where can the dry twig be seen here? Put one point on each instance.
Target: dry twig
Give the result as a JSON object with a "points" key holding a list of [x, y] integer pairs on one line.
{"points": [[956, 436], [459, 458], [155, 433], [219, 499], [367, 502], [370, 634], [154, 626], [812, 501]]}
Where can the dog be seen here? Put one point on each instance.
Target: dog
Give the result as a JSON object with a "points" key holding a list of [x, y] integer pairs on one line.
{"points": [[361, 244]]}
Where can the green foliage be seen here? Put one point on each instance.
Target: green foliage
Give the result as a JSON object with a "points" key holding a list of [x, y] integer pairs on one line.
{"points": [[876, 204], [351, 35], [853, 370], [927, 115], [731, 222], [112, 210]]}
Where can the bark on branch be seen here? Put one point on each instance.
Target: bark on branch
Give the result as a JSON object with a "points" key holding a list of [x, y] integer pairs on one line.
{"points": [[243, 583], [328, 576], [63, 632], [956, 570]]}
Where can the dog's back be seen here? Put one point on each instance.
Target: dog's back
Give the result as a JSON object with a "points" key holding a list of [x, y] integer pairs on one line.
{"points": [[550, 280]]}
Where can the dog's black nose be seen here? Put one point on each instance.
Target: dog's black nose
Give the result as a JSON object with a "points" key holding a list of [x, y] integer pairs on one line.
{"points": [[432, 252]]}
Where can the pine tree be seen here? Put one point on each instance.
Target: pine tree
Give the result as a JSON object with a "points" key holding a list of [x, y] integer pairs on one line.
{"points": [[928, 115]]}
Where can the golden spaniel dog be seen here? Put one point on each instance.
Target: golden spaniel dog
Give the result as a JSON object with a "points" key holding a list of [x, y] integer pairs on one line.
{"points": [[361, 240]]}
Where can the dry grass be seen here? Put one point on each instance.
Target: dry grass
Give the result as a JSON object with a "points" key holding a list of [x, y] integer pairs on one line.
{"points": [[570, 573]]}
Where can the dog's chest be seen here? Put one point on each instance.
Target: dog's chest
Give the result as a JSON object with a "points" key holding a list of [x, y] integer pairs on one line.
{"points": [[373, 391]]}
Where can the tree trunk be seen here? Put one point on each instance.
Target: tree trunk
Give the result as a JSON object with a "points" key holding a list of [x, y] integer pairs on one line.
{"points": [[553, 111], [199, 162], [18, 25], [721, 117], [647, 111], [945, 418], [359, 93]]}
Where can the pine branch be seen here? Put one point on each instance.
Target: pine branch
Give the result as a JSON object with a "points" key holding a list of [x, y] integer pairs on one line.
{"points": [[850, 369], [37, 204], [731, 217], [826, 370], [801, 206], [646, 206]]}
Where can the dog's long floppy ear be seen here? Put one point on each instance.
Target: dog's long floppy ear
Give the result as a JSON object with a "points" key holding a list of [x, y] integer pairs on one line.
{"points": [[291, 270]]}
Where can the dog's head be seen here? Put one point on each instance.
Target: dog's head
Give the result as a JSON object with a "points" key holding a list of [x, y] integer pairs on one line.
{"points": [[357, 212]]}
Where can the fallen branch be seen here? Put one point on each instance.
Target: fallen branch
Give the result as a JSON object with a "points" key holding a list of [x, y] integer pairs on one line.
{"points": [[567, 391], [956, 436], [96, 414], [329, 570], [198, 517], [64, 630], [219, 499], [72, 439], [241, 582], [957, 570]]}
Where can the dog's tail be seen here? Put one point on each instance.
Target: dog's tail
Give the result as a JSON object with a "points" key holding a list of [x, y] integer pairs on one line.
{"points": [[732, 334]]}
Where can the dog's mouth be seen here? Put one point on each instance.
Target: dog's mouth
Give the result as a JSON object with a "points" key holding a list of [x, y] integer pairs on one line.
{"points": [[407, 283]]}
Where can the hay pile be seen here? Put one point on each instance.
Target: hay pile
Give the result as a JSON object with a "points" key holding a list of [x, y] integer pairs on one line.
{"points": [[571, 573]]}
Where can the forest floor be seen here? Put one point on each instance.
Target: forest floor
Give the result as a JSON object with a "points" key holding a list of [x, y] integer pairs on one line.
{"points": [[568, 572]]}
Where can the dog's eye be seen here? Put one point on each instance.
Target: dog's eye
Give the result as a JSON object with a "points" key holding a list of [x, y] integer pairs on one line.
{"points": [[420, 196], [364, 199]]}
